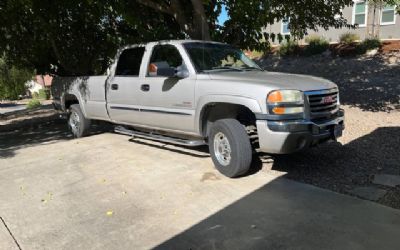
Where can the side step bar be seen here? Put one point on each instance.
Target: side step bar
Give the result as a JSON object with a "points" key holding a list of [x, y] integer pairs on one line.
{"points": [[157, 137]]}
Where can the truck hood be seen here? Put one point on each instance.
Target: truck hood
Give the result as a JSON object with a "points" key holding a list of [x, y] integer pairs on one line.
{"points": [[275, 80]]}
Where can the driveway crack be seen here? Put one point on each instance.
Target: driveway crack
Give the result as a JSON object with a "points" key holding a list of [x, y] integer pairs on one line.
{"points": [[9, 231]]}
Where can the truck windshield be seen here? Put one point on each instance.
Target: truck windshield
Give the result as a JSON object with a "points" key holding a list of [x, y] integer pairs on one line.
{"points": [[208, 57]]}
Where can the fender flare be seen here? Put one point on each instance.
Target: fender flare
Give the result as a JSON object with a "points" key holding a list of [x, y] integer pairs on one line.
{"points": [[250, 103]]}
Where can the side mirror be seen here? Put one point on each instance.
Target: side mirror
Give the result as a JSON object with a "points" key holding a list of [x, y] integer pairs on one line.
{"points": [[108, 71], [182, 72]]}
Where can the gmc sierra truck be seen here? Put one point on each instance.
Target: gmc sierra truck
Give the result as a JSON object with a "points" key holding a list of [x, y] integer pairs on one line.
{"points": [[196, 93]]}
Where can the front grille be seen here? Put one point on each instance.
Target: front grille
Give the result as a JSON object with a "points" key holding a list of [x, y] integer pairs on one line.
{"points": [[323, 104]]}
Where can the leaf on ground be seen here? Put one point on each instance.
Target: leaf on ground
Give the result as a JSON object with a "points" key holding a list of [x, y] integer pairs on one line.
{"points": [[110, 213]]}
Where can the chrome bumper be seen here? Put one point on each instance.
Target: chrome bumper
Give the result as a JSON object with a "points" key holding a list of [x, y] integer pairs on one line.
{"points": [[285, 137]]}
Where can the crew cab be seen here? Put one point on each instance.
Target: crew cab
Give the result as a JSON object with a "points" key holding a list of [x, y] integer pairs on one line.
{"points": [[197, 93]]}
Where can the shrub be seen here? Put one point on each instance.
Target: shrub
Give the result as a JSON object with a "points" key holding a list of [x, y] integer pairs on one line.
{"points": [[316, 45], [289, 48], [34, 103], [349, 38], [44, 94], [369, 44], [12, 80], [35, 95]]}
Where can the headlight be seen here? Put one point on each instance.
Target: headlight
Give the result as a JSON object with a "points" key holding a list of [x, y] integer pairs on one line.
{"points": [[280, 96], [282, 102]]}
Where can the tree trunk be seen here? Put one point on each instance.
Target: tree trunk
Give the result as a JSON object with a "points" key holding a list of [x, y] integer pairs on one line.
{"points": [[201, 27]]}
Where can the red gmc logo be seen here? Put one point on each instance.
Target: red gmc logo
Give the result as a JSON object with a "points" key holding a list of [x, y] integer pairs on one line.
{"points": [[327, 99]]}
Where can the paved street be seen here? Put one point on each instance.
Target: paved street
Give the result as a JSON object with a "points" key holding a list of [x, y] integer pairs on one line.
{"points": [[105, 192]]}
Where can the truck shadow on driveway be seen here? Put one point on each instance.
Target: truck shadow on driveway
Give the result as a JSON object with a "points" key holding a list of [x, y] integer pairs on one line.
{"points": [[342, 168], [47, 133]]}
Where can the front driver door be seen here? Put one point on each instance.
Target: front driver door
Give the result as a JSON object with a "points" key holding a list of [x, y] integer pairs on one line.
{"points": [[168, 102]]}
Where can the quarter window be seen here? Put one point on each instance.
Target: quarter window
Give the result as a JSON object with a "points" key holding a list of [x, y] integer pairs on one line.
{"points": [[388, 15], [129, 62], [360, 14]]}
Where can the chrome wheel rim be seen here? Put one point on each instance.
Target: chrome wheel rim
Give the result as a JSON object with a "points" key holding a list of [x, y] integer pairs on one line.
{"points": [[74, 122], [222, 149]]}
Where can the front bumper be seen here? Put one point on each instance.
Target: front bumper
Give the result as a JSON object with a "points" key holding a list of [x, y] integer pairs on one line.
{"points": [[285, 137]]}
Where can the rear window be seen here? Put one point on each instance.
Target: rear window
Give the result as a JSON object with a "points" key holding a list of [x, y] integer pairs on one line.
{"points": [[129, 62]]}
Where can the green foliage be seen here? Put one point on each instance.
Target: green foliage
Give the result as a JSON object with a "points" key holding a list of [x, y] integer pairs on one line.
{"points": [[44, 94], [34, 103], [368, 44], [349, 38], [12, 80], [288, 48], [316, 45], [81, 37], [371, 43], [35, 95]]}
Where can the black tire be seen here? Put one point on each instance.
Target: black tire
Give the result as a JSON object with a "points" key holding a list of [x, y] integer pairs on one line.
{"points": [[241, 153], [81, 128]]}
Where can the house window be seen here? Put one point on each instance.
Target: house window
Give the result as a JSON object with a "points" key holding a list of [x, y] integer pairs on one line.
{"points": [[285, 26], [360, 13], [388, 15]]}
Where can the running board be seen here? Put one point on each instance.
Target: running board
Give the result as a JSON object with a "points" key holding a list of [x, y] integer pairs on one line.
{"points": [[157, 137]]}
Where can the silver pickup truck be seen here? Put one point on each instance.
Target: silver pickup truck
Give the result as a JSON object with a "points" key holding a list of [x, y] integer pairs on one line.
{"points": [[195, 93]]}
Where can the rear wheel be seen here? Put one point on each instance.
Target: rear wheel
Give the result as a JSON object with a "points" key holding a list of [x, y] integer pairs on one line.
{"points": [[230, 147], [77, 123]]}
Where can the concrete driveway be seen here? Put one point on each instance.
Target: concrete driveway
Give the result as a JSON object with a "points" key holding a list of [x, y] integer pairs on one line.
{"points": [[105, 192]]}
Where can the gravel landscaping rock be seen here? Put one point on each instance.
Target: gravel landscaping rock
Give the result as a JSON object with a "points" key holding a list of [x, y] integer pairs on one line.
{"points": [[370, 146], [387, 180], [369, 193]]}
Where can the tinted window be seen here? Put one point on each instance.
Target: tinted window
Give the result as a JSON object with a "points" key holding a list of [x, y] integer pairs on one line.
{"points": [[166, 55], [129, 62]]}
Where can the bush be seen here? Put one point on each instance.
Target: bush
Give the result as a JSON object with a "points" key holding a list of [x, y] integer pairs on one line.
{"points": [[12, 80], [44, 94], [369, 44], [349, 38], [35, 95], [34, 103], [316, 45], [289, 48]]}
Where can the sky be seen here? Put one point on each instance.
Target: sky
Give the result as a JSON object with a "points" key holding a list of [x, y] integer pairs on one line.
{"points": [[223, 16]]}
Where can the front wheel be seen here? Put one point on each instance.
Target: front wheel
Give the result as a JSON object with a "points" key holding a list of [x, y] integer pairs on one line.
{"points": [[230, 147], [77, 122]]}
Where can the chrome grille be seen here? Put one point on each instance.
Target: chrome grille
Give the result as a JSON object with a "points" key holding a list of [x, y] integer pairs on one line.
{"points": [[323, 103]]}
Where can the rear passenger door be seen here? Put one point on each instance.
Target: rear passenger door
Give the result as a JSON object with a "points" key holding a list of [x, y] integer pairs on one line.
{"points": [[123, 88]]}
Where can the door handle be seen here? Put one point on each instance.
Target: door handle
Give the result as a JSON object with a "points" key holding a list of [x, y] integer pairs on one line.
{"points": [[145, 87], [114, 86]]}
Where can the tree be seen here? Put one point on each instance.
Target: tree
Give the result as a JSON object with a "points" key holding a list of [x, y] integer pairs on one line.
{"points": [[78, 37], [12, 80]]}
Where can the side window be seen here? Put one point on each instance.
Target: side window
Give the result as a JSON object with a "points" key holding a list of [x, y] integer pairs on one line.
{"points": [[129, 62], [165, 56]]}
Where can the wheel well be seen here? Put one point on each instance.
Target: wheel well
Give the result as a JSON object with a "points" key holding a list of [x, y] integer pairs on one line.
{"points": [[216, 111], [69, 100]]}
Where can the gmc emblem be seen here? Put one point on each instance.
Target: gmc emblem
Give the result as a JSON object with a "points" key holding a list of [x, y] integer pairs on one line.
{"points": [[327, 99]]}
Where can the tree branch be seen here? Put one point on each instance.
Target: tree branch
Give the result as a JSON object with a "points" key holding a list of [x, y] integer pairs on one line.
{"points": [[156, 6]]}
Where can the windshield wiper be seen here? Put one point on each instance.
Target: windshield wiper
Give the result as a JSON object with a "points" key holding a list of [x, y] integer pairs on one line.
{"points": [[245, 67], [225, 68]]}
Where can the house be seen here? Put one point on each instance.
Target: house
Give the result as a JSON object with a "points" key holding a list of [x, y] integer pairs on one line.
{"points": [[384, 22], [39, 82]]}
